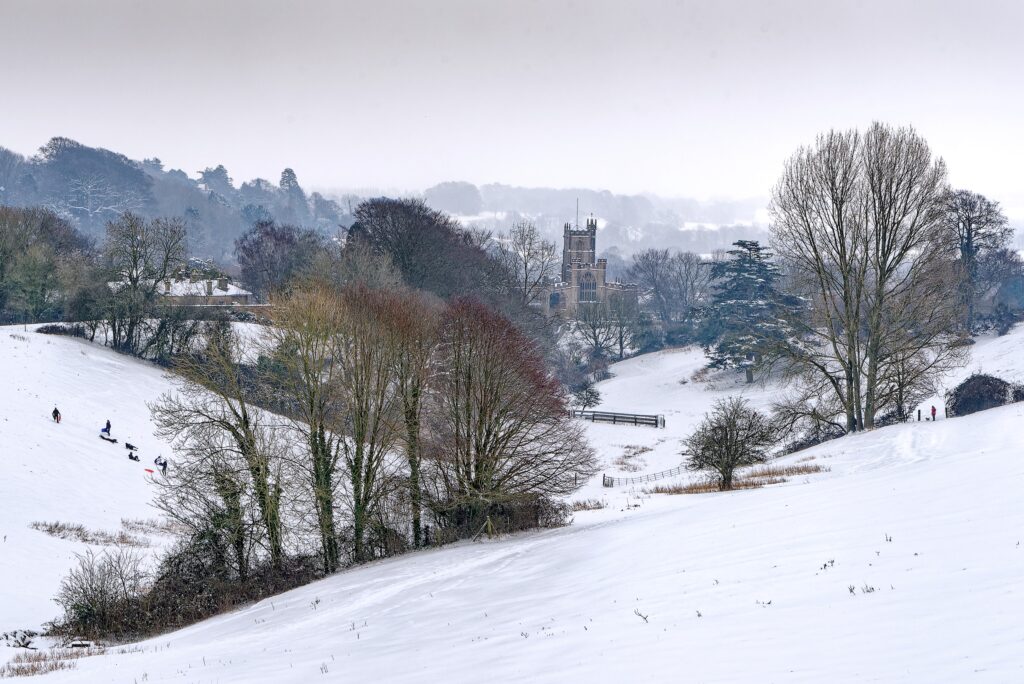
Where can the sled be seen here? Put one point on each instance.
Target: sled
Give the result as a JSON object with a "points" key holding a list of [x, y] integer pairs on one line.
{"points": [[149, 470], [108, 439]]}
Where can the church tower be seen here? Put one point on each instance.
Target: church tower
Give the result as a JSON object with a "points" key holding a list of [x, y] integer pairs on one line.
{"points": [[579, 247]]}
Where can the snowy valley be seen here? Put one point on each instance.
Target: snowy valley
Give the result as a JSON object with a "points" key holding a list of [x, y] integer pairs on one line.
{"points": [[901, 561]]}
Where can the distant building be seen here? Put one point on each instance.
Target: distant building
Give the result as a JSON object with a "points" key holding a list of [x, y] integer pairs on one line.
{"points": [[196, 291], [583, 276], [204, 292]]}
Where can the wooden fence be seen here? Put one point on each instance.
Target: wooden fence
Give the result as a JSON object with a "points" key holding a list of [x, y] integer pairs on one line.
{"points": [[620, 418], [609, 481]]}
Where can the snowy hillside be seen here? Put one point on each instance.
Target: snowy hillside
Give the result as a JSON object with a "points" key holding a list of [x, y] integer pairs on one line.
{"points": [[904, 562], [64, 473]]}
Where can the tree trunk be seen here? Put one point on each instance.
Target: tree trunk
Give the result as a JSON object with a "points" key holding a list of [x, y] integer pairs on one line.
{"points": [[323, 494]]}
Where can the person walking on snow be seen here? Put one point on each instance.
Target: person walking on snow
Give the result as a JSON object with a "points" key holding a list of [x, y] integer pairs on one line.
{"points": [[933, 413], [106, 428], [56, 415]]}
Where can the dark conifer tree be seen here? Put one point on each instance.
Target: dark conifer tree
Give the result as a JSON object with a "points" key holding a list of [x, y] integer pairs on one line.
{"points": [[748, 315]]}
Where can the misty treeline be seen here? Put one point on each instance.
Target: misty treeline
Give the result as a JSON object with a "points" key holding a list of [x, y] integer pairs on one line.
{"points": [[90, 187]]}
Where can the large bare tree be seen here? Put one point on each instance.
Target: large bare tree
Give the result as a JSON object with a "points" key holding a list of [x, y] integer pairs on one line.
{"points": [[308, 325], [503, 431], [365, 360], [857, 222], [414, 321]]}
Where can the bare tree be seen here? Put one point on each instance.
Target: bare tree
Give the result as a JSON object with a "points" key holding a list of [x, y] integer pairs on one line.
{"points": [[212, 412], [414, 321], [309, 324], [673, 284], [857, 221], [594, 323], [688, 282], [139, 255], [503, 432], [650, 271], [92, 199], [731, 436], [366, 354], [528, 262], [208, 495], [974, 225]]}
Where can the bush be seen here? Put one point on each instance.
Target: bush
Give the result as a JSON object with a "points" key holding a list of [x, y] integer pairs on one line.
{"points": [[979, 393], [107, 597], [73, 330], [731, 436], [101, 596], [470, 519], [195, 581]]}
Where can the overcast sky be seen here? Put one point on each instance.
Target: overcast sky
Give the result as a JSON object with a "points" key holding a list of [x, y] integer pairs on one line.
{"points": [[700, 99]]}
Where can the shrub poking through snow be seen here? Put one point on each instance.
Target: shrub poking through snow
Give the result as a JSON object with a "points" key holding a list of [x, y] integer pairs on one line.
{"points": [[41, 662], [588, 505], [731, 436]]}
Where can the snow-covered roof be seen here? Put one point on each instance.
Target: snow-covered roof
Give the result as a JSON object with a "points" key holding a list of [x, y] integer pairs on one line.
{"points": [[184, 288]]}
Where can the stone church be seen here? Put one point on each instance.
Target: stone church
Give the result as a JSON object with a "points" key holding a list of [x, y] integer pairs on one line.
{"points": [[583, 276]]}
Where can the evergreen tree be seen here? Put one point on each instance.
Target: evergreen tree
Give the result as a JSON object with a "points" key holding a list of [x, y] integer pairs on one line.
{"points": [[747, 315]]}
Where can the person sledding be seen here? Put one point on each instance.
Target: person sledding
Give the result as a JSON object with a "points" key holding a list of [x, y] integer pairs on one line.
{"points": [[56, 415], [161, 463], [105, 436], [130, 447], [132, 456]]}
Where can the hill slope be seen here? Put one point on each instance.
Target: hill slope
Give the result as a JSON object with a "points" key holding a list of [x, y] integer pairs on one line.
{"points": [[65, 473], [903, 563]]}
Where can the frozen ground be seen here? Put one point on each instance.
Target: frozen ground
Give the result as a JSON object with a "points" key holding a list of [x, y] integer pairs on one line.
{"points": [[903, 563]]}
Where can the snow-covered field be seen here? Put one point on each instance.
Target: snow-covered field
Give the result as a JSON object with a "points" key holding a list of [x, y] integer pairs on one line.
{"points": [[903, 563]]}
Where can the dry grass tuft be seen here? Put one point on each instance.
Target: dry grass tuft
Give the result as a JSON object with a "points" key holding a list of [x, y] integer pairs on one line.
{"points": [[630, 461], [703, 487], [780, 471], [757, 476], [150, 526], [78, 532], [587, 505], [33, 663]]}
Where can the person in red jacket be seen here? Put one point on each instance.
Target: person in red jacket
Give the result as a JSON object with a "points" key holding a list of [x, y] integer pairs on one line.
{"points": [[933, 413]]}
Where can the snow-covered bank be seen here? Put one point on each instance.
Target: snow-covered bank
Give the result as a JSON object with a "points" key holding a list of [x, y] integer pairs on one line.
{"points": [[63, 472]]}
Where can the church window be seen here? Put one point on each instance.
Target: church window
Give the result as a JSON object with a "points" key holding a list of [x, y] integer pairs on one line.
{"points": [[588, 288]]}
